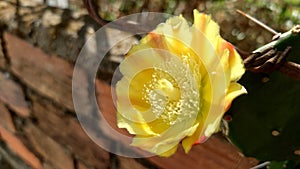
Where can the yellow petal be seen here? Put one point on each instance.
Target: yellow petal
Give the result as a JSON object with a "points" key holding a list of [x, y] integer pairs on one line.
{"points": [[205, 39], [169, 152], [141, 60], [175, 31], [233, 62], [190, 140], [237, 66], [165, 143], [213, 127], [134, 128], [234, 91], [206, 25]]}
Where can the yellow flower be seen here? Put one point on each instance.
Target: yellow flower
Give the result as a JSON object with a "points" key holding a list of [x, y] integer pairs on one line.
{"points": [[177, 84]]}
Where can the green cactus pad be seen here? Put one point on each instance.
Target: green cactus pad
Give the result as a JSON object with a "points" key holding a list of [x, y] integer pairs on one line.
{"points": [[265, 123], [282, 165]]}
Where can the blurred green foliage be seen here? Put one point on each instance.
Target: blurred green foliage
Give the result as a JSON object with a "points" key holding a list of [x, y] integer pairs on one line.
{"points": [[281, 15]]}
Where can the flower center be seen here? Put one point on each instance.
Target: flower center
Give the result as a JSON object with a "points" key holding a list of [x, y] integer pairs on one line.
{"points": [[164, 96], [166, 88], [172, 92]]}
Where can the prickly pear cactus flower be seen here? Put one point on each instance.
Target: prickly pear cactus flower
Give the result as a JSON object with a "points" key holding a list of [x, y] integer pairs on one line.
{"points": [[177, 84]]}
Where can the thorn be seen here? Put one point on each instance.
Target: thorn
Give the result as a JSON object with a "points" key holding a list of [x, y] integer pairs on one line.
{"points": [[262, 165], [257, 22]]}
